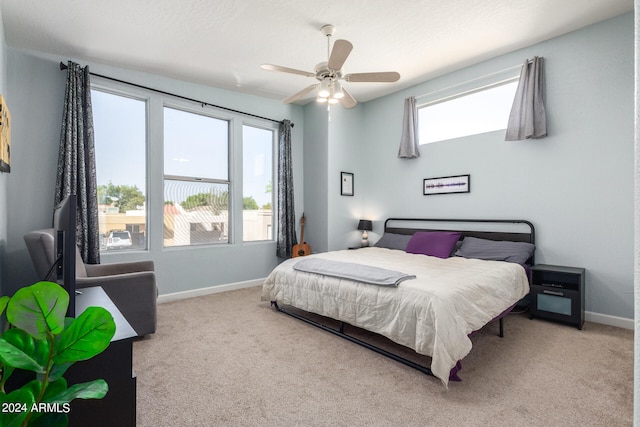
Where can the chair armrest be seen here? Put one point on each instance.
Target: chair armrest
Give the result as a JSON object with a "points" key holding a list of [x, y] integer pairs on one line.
{"points": [[134, 294], [94, 270]]}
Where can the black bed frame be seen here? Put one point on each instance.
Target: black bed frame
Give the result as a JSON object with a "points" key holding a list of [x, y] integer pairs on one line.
{"points": [[443, 225]]}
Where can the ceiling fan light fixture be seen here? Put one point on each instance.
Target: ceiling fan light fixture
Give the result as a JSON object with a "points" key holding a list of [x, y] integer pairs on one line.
{"points": [[328, 75], [337, 92], [323, 89]]}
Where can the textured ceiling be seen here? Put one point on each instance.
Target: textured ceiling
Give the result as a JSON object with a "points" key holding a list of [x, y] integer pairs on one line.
{"points": [[223, 42]]}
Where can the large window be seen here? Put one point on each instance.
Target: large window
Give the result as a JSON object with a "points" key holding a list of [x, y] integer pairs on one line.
{"points": [[196, 179], [120, 131], [257, 183], [175, 173], [471, 113]]}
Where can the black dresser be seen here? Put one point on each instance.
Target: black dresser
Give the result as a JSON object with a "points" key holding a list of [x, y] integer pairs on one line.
{"points": [[114, 365]]}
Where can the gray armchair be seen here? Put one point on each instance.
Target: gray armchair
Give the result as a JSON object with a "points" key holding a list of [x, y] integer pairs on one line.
{"points": [[130, 285]]}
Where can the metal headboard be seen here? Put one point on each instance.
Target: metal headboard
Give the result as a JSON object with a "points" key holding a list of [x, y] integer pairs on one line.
{"points": [[499, 225]]}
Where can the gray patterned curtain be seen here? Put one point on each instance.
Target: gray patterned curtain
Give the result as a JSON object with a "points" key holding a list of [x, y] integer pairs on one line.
{"points": [[286, 208], [528, 117], [76, 160]]}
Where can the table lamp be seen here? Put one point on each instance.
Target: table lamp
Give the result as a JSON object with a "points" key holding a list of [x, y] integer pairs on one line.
{"points": [[365, 225]]}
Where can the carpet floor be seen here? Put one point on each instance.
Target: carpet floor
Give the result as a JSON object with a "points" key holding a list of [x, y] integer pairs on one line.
{"points": [[229, 359]]}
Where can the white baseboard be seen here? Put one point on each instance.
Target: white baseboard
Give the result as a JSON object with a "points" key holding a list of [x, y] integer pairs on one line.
{"points": [[605, 319], [176, 296]]}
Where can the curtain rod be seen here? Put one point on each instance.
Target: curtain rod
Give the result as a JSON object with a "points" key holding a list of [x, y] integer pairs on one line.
{"points": [[513, 67], [64, 66]]}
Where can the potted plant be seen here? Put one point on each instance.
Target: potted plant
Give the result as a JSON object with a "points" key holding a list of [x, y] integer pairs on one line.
{"points": [[39, 338]]}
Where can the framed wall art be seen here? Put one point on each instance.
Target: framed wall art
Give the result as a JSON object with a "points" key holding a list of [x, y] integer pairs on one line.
{"points": [[447, 185], [5, 137], [346, 184]]}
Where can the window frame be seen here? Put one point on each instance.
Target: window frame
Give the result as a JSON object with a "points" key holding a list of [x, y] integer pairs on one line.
{"points": [[127, 91], [273, 128], [209, 112]]}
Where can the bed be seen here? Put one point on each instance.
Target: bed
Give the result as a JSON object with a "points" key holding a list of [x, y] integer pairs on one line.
{"points": [[427, 284]]}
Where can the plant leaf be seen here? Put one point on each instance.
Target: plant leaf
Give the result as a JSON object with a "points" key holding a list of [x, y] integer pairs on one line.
{"points": [[39, 309], [14, 357], [95, 389], [20, 399], [3, 303], [57, 371], [55, 388], [46, 418], [37, 349], [88, 335], [6, 372]]}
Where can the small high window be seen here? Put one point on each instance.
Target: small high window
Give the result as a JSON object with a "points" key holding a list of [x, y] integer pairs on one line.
{"points": [[469, 113]]}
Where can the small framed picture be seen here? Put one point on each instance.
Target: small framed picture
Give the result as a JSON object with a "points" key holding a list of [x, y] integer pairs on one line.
{"points": [[346, 183], [447, 185]]}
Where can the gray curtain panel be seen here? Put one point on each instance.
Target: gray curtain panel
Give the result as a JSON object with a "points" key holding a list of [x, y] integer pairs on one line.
{"points": [[76, 161], [409, 142], [286, 208], [528, 117]]}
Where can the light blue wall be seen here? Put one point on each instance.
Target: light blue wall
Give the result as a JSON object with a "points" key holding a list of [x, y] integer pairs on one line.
{"points": [[37, 86], [316, 165], [331, 147], [345, 128], [576, 186]]}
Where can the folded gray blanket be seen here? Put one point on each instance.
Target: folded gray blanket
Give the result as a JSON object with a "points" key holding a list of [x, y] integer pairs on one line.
{"points": [[352, 271]]}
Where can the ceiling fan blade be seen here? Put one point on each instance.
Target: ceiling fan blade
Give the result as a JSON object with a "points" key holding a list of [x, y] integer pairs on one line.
{"points": [[339, 53], [296, 96], [380, 77], [347, 100], [271, 67]]}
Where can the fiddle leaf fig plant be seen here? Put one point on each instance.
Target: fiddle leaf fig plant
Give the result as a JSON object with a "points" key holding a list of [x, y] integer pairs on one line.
{"points": [[40, 339]]}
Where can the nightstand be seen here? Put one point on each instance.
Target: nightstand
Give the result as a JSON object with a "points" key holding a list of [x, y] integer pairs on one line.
{"points": [[557, 293]]}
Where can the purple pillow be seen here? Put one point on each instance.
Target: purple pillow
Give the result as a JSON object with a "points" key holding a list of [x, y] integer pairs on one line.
{"points": [[434, 243]]}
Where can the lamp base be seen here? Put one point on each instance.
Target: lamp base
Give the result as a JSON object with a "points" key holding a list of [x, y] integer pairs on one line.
{"points": [[365, 239]]}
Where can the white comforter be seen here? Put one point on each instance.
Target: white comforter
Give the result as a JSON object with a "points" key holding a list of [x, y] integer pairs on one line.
{"points": [[432, 314]]}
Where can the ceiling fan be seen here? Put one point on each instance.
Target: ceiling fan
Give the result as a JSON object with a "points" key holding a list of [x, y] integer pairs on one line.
{"points": [[329, 74]]}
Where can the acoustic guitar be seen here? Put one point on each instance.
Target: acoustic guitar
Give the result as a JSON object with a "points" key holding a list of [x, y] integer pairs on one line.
{"points": [[301, 249]]}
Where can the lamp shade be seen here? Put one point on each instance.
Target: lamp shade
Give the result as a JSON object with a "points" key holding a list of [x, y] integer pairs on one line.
{"points": [[365, 224]]}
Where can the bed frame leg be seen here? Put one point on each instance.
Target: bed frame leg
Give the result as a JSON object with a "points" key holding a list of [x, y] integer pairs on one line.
{"points": [[501, 333]]}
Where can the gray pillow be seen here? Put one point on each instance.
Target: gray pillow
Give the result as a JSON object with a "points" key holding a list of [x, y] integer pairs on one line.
{"points": [[393, 241], [502, 250]]}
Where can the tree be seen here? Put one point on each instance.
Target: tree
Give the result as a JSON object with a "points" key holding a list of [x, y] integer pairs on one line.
{"points": [[217, 201], [195, 200], [248, 203], [124, 197]]}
